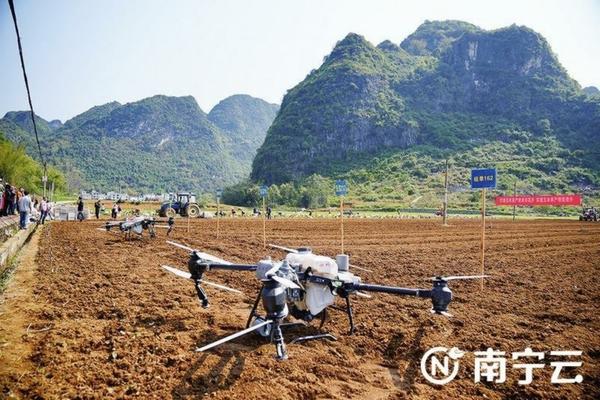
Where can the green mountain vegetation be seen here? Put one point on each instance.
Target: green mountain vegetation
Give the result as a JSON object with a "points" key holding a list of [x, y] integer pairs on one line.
{"points": [[156, 144], [21, 170], [244, 120], [386, 117]]}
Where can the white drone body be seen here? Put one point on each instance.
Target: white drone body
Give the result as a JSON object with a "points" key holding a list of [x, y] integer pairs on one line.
{"points": [[133, 224], [317, 296]]}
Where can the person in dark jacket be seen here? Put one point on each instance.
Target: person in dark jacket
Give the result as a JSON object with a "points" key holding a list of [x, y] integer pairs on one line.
{"points": [[12, 198], [80, 216], [97, 207], [5, 200]]}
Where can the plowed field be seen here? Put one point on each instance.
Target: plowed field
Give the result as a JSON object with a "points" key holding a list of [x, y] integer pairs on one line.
{"points": [[105, 321]]}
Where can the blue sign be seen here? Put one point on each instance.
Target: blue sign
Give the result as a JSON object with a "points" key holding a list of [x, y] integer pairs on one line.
{"points": [[264, 189], [341, 187], [483, 178], [219, 193]]}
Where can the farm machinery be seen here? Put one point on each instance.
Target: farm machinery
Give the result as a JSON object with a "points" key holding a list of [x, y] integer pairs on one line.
{"points": [[183, 204], [589, 214], [138, 225], [303, 285]]}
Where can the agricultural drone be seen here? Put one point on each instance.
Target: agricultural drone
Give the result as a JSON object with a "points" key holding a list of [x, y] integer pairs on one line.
{"points": [[303, 285], [138, 225]]}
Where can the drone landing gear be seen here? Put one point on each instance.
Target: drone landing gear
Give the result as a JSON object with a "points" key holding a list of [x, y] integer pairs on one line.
{"points": [[314, 337], [201, 294], [348, 311], [311, 337], [277, 338]]}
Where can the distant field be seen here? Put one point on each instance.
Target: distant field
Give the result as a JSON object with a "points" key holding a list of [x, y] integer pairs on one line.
{"points": [[150, 208]]}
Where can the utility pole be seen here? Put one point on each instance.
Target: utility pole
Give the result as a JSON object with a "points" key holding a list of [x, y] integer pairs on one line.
{"points": [[45, 182], [515, 196], [446, 196], [264, 210], [342, 220]]}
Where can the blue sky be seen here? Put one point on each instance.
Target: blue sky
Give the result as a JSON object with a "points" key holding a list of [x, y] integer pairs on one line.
{"points": [[81, 53]]}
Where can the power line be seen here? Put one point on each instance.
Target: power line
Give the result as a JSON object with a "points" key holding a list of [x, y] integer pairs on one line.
{"points": [[14, 16]]}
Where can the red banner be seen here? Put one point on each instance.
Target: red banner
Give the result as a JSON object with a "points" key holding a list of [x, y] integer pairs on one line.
{"points": [[539, 200]]}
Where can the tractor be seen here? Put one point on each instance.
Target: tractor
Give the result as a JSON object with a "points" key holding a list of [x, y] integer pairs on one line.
{"points": [[183, 204], [589, 214]]}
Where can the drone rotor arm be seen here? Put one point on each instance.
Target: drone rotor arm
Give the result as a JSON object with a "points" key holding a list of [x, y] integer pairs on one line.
{"points": [[365, 287], [229, 267], [440, 295]]}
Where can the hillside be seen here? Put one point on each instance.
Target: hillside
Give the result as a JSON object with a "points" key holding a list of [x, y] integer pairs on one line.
{"points": [[244, 120], [156, 144], [451, 90]]}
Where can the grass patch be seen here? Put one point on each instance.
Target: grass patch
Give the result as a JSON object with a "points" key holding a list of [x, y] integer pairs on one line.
{"points": [[7, 273]]}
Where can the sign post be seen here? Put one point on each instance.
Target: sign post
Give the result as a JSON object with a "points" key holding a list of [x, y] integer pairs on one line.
{"points": [[263, 193], [482, 234], [219, 194], [483, 179], [446, 196], [341, 189]]}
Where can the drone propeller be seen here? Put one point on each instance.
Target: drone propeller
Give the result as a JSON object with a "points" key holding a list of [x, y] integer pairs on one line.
{"points": [[360, 268], [364, 295], [204, 256], [107, 231], [235, 335], [187, 275], [181, 246], [285, 282], [458, 277], [270, 274], [287, 249]]}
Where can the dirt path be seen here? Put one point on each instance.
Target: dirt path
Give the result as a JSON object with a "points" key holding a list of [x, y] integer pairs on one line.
{"points": [[16, 306]]}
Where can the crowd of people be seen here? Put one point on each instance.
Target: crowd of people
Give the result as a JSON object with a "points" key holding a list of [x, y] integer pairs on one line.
{"points": [[19, 201]]}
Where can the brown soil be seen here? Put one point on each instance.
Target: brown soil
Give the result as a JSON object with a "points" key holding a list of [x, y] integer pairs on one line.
{"points": [[119, 326]]}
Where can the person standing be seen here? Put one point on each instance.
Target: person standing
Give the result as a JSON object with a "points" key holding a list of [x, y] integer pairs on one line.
{"points": [[44, 209], [34, 209], [4, 200], [115, 210], [20, 193], [97, 207], [80, 216], [50, 210], [24, 209], [12, 198]]}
